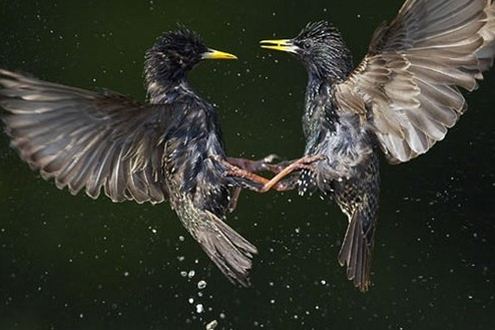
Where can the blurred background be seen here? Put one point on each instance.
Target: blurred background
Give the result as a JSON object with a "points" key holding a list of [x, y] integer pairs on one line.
{"points": [[73, 263]]}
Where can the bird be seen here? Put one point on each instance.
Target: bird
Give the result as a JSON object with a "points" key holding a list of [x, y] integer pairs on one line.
{"points": [[169, 148], [401, 99]]}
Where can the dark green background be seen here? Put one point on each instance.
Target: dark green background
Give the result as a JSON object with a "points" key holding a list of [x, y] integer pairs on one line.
{"points": [[73, 263]]}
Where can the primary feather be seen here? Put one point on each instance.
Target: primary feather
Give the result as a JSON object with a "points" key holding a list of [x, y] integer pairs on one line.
{"points": [[409, 81]]}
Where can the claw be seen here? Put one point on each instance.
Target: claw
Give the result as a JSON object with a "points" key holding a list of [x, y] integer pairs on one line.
{"points": [[271, 158]]}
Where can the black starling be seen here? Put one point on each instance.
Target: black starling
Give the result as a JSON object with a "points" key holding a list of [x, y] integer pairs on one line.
{"points": [[168, 149], [402, 98]]}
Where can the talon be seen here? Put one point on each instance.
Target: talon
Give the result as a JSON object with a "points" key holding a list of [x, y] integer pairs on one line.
{"points": [[271, 158], [272, 168]]}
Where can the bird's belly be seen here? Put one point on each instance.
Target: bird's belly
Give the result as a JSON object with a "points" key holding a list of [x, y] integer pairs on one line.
{"points": [[205, 189], [352, 185]]}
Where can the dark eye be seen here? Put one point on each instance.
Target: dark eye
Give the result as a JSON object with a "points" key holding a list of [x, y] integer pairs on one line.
{"points": [[306, 45]]}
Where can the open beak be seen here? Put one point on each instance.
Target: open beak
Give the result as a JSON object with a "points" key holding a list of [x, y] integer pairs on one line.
{"points": [[213, 54], [283, 45]]}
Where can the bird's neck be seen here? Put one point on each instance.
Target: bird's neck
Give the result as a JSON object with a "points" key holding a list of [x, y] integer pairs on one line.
{"points": [[164, 81], [162, 91], [320, 115], [330, 64], [336, 66], [331, 60]]}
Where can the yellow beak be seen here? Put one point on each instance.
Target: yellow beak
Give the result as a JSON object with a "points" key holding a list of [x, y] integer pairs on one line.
{"points": [[213, 54], [283, 45]]}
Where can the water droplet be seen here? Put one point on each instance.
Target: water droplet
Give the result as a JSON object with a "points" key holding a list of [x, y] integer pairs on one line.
{"points": [[199, 308], [212, 325]]}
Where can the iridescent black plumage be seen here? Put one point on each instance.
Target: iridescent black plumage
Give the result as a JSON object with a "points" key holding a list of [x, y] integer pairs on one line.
{"points": [[350, 173], [168, 149], [401, 98]]}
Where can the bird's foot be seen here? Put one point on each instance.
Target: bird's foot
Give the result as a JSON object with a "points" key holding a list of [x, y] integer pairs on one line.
{"points": [[265, 164], [305, 162], [251, 180], [271, 158], [234, 199], [273, 163]]}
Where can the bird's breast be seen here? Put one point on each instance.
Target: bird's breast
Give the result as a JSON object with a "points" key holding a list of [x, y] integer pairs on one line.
{"points": [[346, 149], [192, 173]]}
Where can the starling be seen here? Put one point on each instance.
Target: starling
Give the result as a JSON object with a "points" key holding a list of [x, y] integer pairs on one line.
{"points": [[169, 148], [401, 98]]}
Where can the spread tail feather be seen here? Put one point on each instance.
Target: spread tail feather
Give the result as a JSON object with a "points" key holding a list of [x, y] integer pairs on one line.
{"points": [[231, 252], [356, 251]]}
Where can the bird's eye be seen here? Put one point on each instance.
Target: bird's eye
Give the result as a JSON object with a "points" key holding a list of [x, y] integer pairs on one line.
{"points": [[306, 45]]}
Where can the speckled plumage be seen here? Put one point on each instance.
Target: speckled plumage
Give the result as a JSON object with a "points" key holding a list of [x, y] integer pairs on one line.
{"points": [[350, 173], [401, 98], [170, 148]]}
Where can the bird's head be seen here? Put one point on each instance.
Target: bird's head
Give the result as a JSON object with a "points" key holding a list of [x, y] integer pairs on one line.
{"points": [[177, 52], [319, 46]]}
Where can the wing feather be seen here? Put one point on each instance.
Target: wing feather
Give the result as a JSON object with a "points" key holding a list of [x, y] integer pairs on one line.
{"points": [[85, 139], [408, 84]]}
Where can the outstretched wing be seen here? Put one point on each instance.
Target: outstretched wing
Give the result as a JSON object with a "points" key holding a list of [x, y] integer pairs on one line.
{"points": [[86, 139], [408, 85]]}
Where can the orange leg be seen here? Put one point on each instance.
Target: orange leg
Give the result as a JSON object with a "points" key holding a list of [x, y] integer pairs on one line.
{"points": [[302, 163], [239, 172], [262, 165], [273, 183], [234, 199]]}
